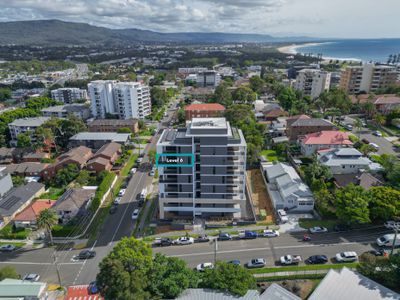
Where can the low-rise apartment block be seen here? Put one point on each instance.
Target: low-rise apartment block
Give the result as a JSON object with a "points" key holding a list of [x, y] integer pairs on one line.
{"points": [[69, 95], [112, 125], [211, 183], [25, 125], [204, 110], [62, 111], [96, 140], [301, 125]]}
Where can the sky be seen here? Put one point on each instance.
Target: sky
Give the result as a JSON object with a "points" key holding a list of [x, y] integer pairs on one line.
{"points": [[314, 18]]}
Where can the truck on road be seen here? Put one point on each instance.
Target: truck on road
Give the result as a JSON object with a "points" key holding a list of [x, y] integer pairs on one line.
{"points": [[290, 260]]}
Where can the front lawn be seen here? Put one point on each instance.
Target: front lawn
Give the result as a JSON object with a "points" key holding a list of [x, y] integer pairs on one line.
{"points": [[18, 245], [11, 233], [308, 223], [53, 193], [66, 230], [270, 155]]}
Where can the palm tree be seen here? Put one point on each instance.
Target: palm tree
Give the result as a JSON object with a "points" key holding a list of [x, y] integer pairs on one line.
{"points": [[358, 125], [379, 119], [46, 220]]}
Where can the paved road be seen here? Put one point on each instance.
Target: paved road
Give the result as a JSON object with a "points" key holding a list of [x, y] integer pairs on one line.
{"points": [[115, 227], [272, 248]]}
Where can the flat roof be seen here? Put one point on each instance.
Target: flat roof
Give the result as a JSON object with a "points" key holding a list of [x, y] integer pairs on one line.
{"points": [[34, 122], [101, 136], [209, 123]]}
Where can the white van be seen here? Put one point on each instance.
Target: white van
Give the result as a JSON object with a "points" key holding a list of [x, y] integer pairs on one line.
{"points": [[387, 240], [282, 215]]}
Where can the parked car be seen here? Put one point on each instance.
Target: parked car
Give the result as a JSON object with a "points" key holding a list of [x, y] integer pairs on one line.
{"points": [[235, 262], [270, 233], [163, 242], [135, 214], [184, 240], [317, 259], [375, 146], [117, 200], [341, 227], [152, 172], [365, 141], [7, 248], [377, 133], [317, 229], [121, 192], [374, 252], [133, 171], [92, 288], [387, 240], [290, 260], [139, 160], [31, 277], [256, 263], [202, 267], [348, 256], [85, 254], [348, 127], [283, 215], [224, 237], [113, 209], [391, 224], [202, 239], [247, 234]]}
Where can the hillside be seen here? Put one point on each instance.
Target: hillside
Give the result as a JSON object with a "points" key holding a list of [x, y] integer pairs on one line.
{"points": [[60, 33]]}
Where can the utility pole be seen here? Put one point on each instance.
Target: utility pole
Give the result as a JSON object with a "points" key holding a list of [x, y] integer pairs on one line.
{"points": [[215, 250], [396, 229], [57, 269]]}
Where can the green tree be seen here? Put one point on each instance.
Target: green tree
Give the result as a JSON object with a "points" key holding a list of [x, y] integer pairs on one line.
{"points": [[367, 149], [8, 272], [384, 203], [222, 95], [46, 219], [83, 178], [324, 201], [125, 272], [66, 175], [18, 180], [158, 97], [124, 130], [24, 139], [358, 125], [228, 278], [170, 277], [244, 94], [5, 94], [316, 172], [181, 115], [152, 156], [351, 204], [257, 84], [43, 136]]}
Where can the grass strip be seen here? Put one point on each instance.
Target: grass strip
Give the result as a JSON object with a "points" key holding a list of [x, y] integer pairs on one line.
{"points": [[303, 268]]}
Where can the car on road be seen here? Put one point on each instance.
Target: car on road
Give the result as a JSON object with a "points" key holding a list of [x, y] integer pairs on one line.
{"points": [[388, 240], [139, 160], [247, 234], [365, 141], [117, 200], [85, 254], [135, 214], [256, 263], [7, 248], [290, 260], [317, 229], [391, 224], [348, 127], [163, 242], [341, 227], [152, 172], [184, 240], [270, 233], [113, 209], [224, 237], [92, 288], [202, 239], [204, 266], [348, 256], [31, 277], [375, 146], [133, 171], [317, 259], [377, 133], [121, 192], [235, 262]]}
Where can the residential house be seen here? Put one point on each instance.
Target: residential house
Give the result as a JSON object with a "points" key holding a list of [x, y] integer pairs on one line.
{"points": [[363, 179], [346, 284], [302, 126], [386, 104], [313, 142], [286, 188], [35, 156], [27, 218], [6, 155], [80, 111], [77, 156], [346, 161], [25, 125], [74, 202], [26, 169], [274, 114], [17, 155], [204, 110], [277, 128], [112, 125], [17, 199], [95, 140], [16, 289], [104, 158]]}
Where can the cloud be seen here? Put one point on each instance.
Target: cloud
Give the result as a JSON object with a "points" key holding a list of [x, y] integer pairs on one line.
{"points": [[298, 17]]}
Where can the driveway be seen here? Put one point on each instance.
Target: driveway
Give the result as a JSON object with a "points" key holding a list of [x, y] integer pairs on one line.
{"points": [[293, 224]]}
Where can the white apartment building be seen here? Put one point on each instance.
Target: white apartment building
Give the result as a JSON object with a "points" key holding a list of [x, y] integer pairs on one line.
{"points": [[126, 100], [312, 82], [367, 78], [69, 95]]}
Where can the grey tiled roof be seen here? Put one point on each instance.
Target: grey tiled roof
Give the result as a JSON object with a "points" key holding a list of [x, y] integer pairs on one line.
{"points": [[311, 122]]}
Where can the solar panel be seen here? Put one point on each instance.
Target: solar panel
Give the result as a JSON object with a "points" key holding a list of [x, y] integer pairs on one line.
{"points": [[10, 202]]}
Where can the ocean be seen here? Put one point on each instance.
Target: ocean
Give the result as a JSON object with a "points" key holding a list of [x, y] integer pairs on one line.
{"points": [[377, 50]]}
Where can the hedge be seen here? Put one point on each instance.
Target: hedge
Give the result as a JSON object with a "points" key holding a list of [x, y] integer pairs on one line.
{"points": [[101, 190], [63, 231], [11, 233]]}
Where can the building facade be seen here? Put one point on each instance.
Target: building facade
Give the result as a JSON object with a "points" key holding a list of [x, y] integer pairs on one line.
{"points": [[206, 110], [112, 125], [124, 100], [62, 111], [367, 78], [214, 184], [208, 79], [24, 125], [69, 95], [312, 82]]}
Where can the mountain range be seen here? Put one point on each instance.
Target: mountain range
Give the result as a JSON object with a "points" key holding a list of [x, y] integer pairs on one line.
{"points": [[61, 33]]}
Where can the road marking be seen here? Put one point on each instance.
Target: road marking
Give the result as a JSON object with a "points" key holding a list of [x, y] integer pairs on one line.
{"points": [[264, 248], [38, 263], [80, 270]]}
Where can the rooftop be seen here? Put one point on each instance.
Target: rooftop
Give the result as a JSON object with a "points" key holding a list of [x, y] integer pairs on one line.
{"points": [[33, 122], [198, 123], [65, 108], [388, 100], [113, 122], [205, 106], [20, 289], [327, 138], [75, 199], [101, 136], [32, 211], [311, 122]]}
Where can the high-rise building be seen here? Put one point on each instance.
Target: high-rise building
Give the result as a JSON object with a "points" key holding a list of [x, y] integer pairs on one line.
{"points": [[202, 170], [367, 78], [126, 100], [69, 95], [208, 79], [312, 82]]}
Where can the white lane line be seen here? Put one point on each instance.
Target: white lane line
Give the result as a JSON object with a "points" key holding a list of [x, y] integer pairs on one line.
{"points": [[38, 263], [263, 249], [80, 270]]}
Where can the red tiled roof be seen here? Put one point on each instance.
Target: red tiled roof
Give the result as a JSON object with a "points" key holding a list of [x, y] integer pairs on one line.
{"points": [[205, 106], [297, 117], [32, 211], [80, 292], [388, 100], [327, 138]]}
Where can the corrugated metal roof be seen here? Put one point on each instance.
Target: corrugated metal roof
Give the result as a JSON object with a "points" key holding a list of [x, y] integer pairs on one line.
{"points": [[208, 294], [276, 292]]}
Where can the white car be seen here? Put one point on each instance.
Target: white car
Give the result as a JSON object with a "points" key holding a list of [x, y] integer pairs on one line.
{"points": [[256, 263], [135, 214], [270, 233], [152, 173], [377, 133], [117, 200], [317, 229], [283, 215], [7, 248], [121, 192], [31, 277], [392, 224], [375, 146], [139, 160], [133, 171], [348, 127], [202, 267], [184, 240], [348, 256]]}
